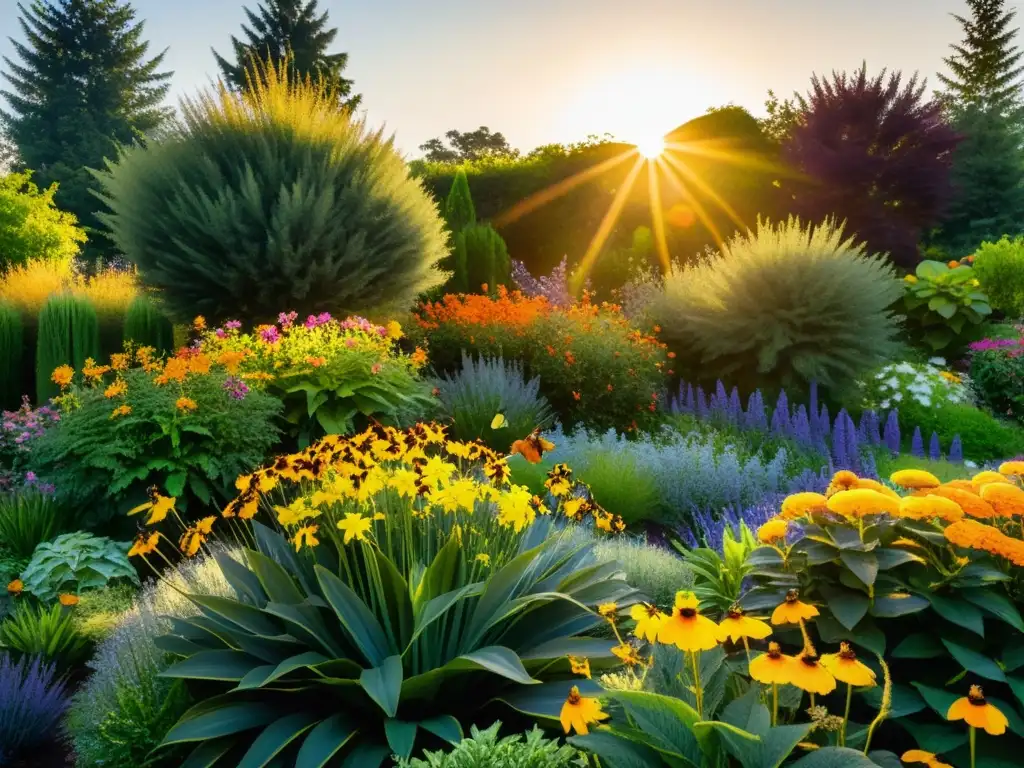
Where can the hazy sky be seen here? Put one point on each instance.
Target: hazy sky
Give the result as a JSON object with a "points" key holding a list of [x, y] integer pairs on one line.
{"points": [[556, 70]]}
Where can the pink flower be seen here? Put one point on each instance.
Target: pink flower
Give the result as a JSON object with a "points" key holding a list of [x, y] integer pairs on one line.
{"points": [[220, 334], [270, 334], [287, 319], [233, 325], [376, 368], [350, 343]]}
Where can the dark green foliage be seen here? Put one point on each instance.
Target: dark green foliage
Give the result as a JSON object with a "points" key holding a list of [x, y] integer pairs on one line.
{"points": [[618, 266], [333, 223], [292, 30], [29, 518], [468, 146], [984, 437], [47, 632], [997, 376], [484, 748], [85, 333], [147, 326], [779, 308], [481, 258], [54, 347], [11, 356], [472, 397], [459, 212], [81, 83], [999, 267]]}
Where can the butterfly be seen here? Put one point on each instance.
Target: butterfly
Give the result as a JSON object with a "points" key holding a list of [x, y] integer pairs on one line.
{"points": [[499, 421], [532, 447]]}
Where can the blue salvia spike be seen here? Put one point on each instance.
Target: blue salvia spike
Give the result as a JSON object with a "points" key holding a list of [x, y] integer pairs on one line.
{"points": [[956, 450], [934, 451], [891, 436], [756, 418], [863, 427], [802, 428], [824, 420], [702, 405], [735, 407], [917, 444], [691, 404], [813, 408], [868, 468], [839, 444], [721, 398], [874, 435], [852, 443], [780, 421]]}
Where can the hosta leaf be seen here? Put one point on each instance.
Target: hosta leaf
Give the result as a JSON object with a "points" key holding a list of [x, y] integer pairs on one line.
{"points": [[834, 757], [890, 607], [230, 666], [360, 624], [401, 736], [848, 606], [223, 720], [619, 752], [975, 662], [997, 604], [275, 737], [666, 721], [325, 741], [919, 646], [383, 684], [959, 612], [893, 558], [444, 727]]}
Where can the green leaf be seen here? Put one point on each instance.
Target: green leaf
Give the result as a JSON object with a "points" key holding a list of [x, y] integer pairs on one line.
{"points": [[275, 580], [930, 269], [1013, 656], [893, 558], [384, 684], [220, 721], [942, 306], [175, 483], [208, 753], [667, 721], [958, 612], [921, 645], [226, 665], [905, 700], [863, 565], [834, 757], [618, 751], [238, 614], [444, 727], [940, 701], [887, 607], [847, 606], [394, 596], [999, 605], [325, 741], [300, 661], [360, 624], [275, 737], [975, 662], [366, 756], [401, 736], [938, 738], [501, 661]]}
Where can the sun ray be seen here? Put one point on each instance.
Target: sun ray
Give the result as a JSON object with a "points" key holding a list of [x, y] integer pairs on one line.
{"points": [[657, 218], [555, 191], [702, 214], [604, 229], [704, 187], [720, 149]]}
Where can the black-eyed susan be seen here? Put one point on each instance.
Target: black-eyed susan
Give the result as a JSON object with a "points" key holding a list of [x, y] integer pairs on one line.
{"points": [[306, 537], [159, 506], [143, 544], [914, 478], [978, 713], [799, 505], [627, 654], [773, 668], [920, 756], [559, 481], [861, 502], [737, 626], [580, 711], [355, 526], [686, 628], [772, 531], [1007, 500], [792, 610], [648, 619], [580, 666], [845, 668], [809, 675]]}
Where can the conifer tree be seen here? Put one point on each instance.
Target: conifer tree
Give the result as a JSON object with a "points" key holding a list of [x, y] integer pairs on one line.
{"points": [[82, 83], [292, 30], [459, 211]]}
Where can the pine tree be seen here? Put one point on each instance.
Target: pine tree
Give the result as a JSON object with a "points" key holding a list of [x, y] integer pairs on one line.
{"points": [[459, 211], [82, 85], [292, 30]]}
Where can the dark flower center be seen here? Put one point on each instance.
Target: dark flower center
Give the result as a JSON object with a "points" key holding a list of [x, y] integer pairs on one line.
{"points": [[810, 661], [688, 613]]}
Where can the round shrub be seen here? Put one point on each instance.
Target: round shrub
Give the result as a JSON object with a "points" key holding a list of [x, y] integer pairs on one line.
{"points": [[781, 307], [31, 226], [273, 197], [999, 268], [984, 437], [997, 375]]}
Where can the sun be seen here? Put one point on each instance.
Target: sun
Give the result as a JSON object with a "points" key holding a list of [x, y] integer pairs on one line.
{"points": [[651, 146]]}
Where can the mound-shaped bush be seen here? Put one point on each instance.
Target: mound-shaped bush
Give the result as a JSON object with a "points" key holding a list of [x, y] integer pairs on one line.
{"points": [[273, 197]]}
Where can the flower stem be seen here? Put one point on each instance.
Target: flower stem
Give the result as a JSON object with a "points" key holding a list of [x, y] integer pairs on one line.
{"points": [[698, 691], [775, 704], [846, 715], [974, 739]]}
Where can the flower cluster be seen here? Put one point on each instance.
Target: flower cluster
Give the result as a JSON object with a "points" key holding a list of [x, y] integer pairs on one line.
{"points": [[18, 429], [928, 384], [554, 287]]}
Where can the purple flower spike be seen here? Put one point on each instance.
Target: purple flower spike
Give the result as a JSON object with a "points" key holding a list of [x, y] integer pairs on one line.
{"points": [[956, 450], [934, 451], [917, 444], [892, 433]]}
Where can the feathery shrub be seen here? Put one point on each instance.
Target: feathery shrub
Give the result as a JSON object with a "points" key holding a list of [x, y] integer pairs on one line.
{"points": [[273, 197], [781, 307], [484, 748], [11, 354], [53, 343], [85, 333], [147, 326], [27, 287], [481, 259], [999, 268], [31, 226]]}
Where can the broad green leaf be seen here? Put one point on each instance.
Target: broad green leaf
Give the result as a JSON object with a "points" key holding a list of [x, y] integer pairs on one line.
{"points": [[884, 759], [1013, 657], [255, 677], [975, 662], [778, 744], [930, 269], [208, 753], [500, 661], [401, 736], [220, 721], [545, 701], [444, 727], [237, 614], [245, 583], [226, 665], [669, 722], [906, 701], [889, 607], [834, 757], [893, 558], [939, 738], [360, 624], [921, 645], [275, 580], [581, 647], [936, 698], [959, 612], [306, 623], [1017, 686], [275, 737], [619, 752], [394, 596], [500, 589], [366, 756], [384, 684], [175, 483], [863, 565], [999, 605], [177, 645], [301, 661], [325, 741], [847, 606], [764, 558]]}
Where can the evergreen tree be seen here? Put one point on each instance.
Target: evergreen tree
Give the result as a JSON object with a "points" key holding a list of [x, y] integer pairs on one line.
{"points": [[459, 211], [82, 85], [294, 30]]}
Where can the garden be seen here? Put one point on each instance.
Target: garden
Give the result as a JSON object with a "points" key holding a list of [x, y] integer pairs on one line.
{"points": [[312, 456]]}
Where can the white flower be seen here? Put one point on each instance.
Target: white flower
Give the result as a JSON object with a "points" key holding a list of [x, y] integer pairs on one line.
{"points": [[941, 362], [925, 402], [898, 396], [970, 464], [884, 404], [893, 382], [905, 368]]}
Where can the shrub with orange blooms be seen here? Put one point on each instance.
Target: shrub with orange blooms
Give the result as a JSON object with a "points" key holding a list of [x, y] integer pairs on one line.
{"points": [[594, 368], [183, 423], [333, 376]]}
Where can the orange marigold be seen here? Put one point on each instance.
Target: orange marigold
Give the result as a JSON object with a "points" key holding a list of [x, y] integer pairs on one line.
{"points": [[1007, 500], [972, 504]]}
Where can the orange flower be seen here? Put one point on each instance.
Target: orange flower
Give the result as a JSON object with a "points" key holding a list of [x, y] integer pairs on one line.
{"points": [[62, 375], [1007, 500], [575, 395], [978, 713], [16, 587], [231, 360], [68, 600], [419, 356], [185, 404], [119, 387], [799, 505], [930, 507], [316, 362], [843, 480], [986, 477], [121, 410], [199, 323], [969, 502], [792, 610]]}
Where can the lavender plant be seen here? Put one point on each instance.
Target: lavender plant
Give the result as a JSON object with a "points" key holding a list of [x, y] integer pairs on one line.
{"points": [[554, 287], [32, 702]]}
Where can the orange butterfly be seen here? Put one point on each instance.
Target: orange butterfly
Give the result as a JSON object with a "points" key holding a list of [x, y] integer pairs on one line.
{"points": [[532, 447]]}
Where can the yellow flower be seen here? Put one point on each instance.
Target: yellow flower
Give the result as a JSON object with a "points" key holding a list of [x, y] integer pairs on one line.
{"points": [[686, 628], [559, 481], [355, 526], [772, 531], [648, 619], [627, 654], [978, 713], [68, 600], [1007, 500], [121, 410], [205, 526], [405, 481], [1012, 468], [515, 509], [158, 506], [199, 323], [930, 507], [736, 626], [914, 478], [119, 361], [792, 611], [185, 404], [861, 502], [578, 711], [306, 536], [986, 477], [437, 471], [119, 387], [845, 668], [920, 756], [609, 611], [773, 667], [874, 485], [911, 279], [296, 512], [144, 544], [16, 587], [800, 505], [969, 502], [62, 375], [484, 558], [580, 666], [394, 330], [843, 480], [809, 675]]}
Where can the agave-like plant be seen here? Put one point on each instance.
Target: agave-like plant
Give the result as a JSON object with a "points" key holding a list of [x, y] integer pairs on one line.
{"points": [[399, 627]]}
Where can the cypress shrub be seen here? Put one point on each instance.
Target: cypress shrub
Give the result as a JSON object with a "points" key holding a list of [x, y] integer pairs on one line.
{"points": [[459, 211], [53, 343], [85, 333], [11, 356], [147, 326], [481, 258]]}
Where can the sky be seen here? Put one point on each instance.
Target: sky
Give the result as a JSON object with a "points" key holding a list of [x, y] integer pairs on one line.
{"points": [[544, 71]]}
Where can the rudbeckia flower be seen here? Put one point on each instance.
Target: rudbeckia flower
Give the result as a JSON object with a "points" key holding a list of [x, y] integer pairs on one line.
{"points": [[648, 619], [579, 711], [845, 668], [355, 526], [143, 544], [978, 713], [1012, 468], [802, 504], [920, 756], [861, 502], [809, 675], [627, 654], [1007, 500], [792, 611], [772, 531], [930, 507], [985, 478], [686, 628], [914, 478], [737, 626], [772, 667], [306, 536]]}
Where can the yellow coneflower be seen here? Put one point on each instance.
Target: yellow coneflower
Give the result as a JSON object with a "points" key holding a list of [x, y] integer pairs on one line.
{"points": [[609, 611], [144, 544], [627, 654], [355, 526], [920, 756], [874, 485], [792, 610], [648, 619], [580, 666], [843, 480], [772, 531], [579, 711], [686, 628], [978, 713], [914, 478], [773, 668], [306, 536], [809, 675], [738, 626], [845, 668]]}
